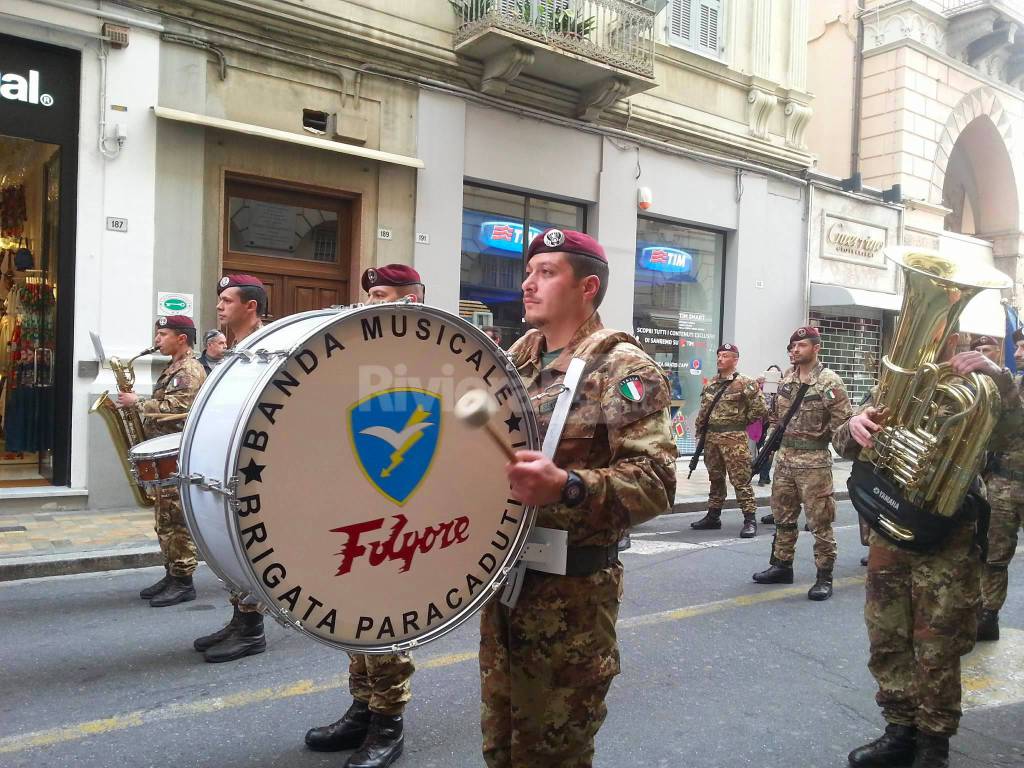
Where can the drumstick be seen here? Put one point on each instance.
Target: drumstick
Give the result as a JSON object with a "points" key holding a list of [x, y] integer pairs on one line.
{"points": [[169, 417], [475, 409]]}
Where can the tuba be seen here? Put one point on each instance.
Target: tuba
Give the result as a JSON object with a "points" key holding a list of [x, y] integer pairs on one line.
{"points": [[125, 424], [935, 423]]}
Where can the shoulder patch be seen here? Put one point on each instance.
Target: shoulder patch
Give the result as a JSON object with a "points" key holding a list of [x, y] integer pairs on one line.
{"points": [[632, 388], [830, 393]]}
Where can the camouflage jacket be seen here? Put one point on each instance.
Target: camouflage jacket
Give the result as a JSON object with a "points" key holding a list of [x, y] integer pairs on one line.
{"points": [[174, 392], [1007, 439], [742, 404], [824, 409], [617, 436]]}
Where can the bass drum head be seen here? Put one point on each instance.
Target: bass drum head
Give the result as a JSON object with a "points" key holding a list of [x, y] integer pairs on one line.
{"points": [[164, 445], [370, 517]]}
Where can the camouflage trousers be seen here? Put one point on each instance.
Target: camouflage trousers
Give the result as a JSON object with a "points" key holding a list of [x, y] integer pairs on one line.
{"points": [[812, 487], [1007, 500], [921, 615], [545, 669], [176, 543], [728, 452], [383, 682]]}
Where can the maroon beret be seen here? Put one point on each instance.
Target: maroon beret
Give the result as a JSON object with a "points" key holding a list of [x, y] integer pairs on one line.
{"points": [[390, 274], [728, 348], [808, 332], [566, 241], [982, 341], [238, 281], [1018, 335], [175, 322]]}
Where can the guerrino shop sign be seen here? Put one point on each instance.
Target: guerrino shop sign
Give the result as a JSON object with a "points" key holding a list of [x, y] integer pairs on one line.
{"points": [[855, 241], [38, 90]]}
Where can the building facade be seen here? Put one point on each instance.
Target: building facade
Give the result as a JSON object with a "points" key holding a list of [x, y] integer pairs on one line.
{"points": [[306, 141]]}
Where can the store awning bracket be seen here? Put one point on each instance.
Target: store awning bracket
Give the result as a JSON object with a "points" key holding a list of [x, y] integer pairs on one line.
{"points": [[260, 131]]}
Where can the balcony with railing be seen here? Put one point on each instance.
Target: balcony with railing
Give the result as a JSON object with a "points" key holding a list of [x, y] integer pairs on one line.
{"points": [[602, 48]]}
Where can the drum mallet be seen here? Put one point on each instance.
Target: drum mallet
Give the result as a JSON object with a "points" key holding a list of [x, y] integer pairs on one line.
{"points": [[475, 409]]}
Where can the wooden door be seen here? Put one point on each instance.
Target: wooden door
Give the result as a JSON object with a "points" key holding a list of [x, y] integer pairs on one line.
{"points": [[297, 240]]}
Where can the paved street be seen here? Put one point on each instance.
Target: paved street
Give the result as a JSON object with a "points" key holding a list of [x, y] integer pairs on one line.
{"points": [[716, 672]]}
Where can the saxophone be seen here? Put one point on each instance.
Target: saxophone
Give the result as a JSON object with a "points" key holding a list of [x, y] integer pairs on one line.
{"points": [[935, 423], [125, 424]]}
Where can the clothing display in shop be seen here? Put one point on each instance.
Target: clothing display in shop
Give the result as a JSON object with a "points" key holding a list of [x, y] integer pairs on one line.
{"points": [[28, 412]]}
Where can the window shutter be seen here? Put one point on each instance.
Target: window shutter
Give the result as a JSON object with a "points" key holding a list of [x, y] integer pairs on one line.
{"points": [[680, 20], [709, 26]]}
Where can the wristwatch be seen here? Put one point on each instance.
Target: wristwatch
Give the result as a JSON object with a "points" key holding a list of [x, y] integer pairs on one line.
{"points": [[574, 492]]}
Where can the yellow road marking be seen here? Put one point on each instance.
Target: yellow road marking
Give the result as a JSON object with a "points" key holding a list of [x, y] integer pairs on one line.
{"points": [[36, 739], [993, 673]]}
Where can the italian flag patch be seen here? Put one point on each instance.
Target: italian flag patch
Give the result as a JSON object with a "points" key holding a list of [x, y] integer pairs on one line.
{"points": [[632, 388]]}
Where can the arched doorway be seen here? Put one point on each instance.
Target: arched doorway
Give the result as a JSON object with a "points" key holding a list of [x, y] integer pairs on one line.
{"points": [[979, 185]]}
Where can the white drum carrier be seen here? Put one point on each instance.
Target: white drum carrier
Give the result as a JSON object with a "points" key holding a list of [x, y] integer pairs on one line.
{"points": [[324, 473]]}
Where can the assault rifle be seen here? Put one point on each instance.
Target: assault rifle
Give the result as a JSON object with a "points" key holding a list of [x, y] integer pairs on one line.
{"points": [[774, 440], [703, 436]]}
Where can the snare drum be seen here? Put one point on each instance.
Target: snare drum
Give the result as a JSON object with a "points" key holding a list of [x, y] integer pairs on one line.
{"points": [[323, 472], [155, 462]]}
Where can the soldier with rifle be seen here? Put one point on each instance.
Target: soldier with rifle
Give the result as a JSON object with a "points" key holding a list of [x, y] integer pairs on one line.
{"points": [[813, 403], [729, 402]]}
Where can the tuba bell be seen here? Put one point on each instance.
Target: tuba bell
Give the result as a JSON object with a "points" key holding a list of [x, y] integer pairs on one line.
{"points": [[125, 424], [935, 422]]}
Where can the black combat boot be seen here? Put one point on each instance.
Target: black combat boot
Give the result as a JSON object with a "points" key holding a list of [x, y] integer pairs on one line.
{"points": [[712, 521], [864, 560], [778, 573], [988, 625], [155, 589], [822, 589], [247, 640], [932, 751], [749, 529], [347, 733], [178, 590], [896, 747], [208, 641], [383, 743], [768, 519]]}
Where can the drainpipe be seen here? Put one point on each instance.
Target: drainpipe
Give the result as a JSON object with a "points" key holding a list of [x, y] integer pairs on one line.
{"points": [[858, 91]]}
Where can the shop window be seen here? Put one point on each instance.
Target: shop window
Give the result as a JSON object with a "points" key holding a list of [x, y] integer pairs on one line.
{"points": [[677, 307], [497, 227], [697, 25]]}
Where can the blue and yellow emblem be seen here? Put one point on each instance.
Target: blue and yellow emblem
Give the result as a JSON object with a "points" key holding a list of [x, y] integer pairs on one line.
{"points": [[394, 436]]}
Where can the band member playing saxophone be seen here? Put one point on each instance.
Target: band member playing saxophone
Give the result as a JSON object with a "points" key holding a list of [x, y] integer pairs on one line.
{"points": [[173, 394]]}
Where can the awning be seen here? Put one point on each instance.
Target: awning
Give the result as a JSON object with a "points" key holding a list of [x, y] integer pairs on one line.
{"points": [[984, 315], [292, 138], [823, 295]]}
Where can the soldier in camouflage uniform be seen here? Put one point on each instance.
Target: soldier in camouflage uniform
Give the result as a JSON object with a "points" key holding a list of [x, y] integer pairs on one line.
{"points": [[725, 446], [173, 394], [920, 609], [546, 665], [803, 468], [241, 302], [1005, 484], [380, 684]]}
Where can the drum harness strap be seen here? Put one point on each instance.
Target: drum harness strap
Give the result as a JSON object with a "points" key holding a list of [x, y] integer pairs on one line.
{"points": [[547, 548]]}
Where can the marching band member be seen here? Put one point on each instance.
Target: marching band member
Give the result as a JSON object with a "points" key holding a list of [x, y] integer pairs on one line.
{"points": [[547, 664], [381, 685], [173, 393], [241, 302]]}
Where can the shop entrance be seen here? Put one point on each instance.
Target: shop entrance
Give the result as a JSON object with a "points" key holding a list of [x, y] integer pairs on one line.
{"points": [[29, 246], [297, 240]]}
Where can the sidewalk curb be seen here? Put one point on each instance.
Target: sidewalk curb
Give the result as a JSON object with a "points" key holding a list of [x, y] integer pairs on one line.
{"points": [[17, 568], [701, 504], [38, 566]]}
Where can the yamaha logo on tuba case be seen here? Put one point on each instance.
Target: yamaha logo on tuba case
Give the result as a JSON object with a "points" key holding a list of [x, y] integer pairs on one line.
{"points": [[894, 503]]}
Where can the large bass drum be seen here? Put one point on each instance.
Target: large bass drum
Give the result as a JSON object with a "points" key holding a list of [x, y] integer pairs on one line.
{"points": [[323, 472]]}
